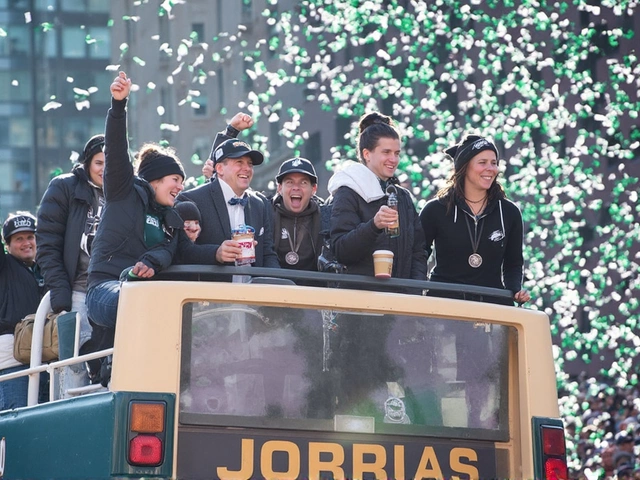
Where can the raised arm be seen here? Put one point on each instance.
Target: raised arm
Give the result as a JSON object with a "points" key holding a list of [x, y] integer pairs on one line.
{"points": [[118, 170], [240, 121]]}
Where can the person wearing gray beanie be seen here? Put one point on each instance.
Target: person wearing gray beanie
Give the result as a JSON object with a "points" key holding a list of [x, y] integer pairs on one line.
{"points": [[190, 213]]}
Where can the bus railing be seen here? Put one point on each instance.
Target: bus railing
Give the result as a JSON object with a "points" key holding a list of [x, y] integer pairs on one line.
{"points": [[399, 285], [36, 367]]}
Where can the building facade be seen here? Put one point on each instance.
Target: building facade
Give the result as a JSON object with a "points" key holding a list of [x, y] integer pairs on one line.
{"points": [[53, 91]]}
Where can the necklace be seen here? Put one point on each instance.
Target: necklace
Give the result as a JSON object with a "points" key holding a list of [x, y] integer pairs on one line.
{"points": [[477, 201], [482, 203], [475, 260]]}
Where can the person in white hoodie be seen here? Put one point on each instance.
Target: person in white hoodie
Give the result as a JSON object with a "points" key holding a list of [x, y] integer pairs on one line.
{"points": [[360, 215]]}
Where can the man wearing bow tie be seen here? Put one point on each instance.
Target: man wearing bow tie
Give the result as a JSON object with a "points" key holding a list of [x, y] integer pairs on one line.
{"points": [[227, 202]]}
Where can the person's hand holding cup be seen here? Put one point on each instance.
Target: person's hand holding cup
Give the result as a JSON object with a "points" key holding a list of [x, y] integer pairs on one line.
{"points": [[383, 263], [244, 236]]}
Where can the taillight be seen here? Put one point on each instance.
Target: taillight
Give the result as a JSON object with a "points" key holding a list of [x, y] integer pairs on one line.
{"points": [[554, 453], [555, 469], [146, 433], [145, 450], [553, 441]]}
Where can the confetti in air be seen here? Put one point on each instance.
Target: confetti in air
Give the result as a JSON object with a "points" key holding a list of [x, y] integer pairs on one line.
{"points": [[555, 84]]}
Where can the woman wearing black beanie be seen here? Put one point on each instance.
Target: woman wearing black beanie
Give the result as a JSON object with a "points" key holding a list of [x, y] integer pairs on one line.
{"points": [[139, 226], [477, 234], [68, 218], [476, 231]]}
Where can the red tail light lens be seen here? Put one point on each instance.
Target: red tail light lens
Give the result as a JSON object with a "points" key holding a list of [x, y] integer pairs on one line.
{"points": [[556, 469], [553, 441], [145, 450]]}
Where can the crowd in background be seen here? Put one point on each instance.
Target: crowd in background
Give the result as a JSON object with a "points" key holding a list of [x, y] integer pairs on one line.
{"points": [[602, 426]]}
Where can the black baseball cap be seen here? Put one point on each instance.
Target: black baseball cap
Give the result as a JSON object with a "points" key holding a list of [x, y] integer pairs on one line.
{"points": [[19, 222], [297, 165], [234, 148]]}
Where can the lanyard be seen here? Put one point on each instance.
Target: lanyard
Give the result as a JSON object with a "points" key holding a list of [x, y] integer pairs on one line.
{"points": [[292, 256], [475, 260]]}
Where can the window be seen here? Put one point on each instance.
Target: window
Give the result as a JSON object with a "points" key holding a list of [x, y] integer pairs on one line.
{"points": [[72, 5], [14, 177], [46, 87], [166, 103], [198, 32], [100, 46], [17, 5], [275, 140], [73, 42], [220, 81], [46, 43], [219, 17], [16, 86], [310, 369], [48, 132], [203, 102], [4, 130], [16, 42], [247, 81], [45, 5], [98, 6], [202, 148], [20, 132], [78, 130], [163, 29], [91, 42], [313, 148], [247, 10]]}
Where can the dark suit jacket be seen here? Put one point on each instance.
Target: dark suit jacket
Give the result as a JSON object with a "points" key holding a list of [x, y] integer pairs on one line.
{"points": [[216, 226]]}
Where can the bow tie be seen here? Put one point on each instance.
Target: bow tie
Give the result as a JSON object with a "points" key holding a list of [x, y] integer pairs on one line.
{"points": [[239, 201]]}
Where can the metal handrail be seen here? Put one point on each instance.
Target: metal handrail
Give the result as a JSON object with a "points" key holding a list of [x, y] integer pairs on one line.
{"points": [[224, 273], [48, 367], [35, 371], [36, 348]]}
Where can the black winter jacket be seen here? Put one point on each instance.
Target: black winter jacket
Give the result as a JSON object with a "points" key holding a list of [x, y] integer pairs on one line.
{"points": [[20, 291], [62, 217], [354, 237], [215, 223], [500, 244], [303, 228], [119, 242]]}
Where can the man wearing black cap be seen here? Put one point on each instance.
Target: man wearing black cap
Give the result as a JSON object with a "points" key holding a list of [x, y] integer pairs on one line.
{"points": [[22, 288], [227, 202], [297, 219]]}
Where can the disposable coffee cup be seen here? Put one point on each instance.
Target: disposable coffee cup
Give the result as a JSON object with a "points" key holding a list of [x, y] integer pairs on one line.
{"points": [[383, 263], [244, 236]]}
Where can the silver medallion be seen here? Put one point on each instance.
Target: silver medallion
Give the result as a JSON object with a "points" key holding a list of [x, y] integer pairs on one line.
{"points": [[292, 258], [475, 260]]}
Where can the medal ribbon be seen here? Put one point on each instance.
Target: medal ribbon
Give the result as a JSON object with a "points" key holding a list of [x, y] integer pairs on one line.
{"points": [[475, 238], [298, 243]]}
